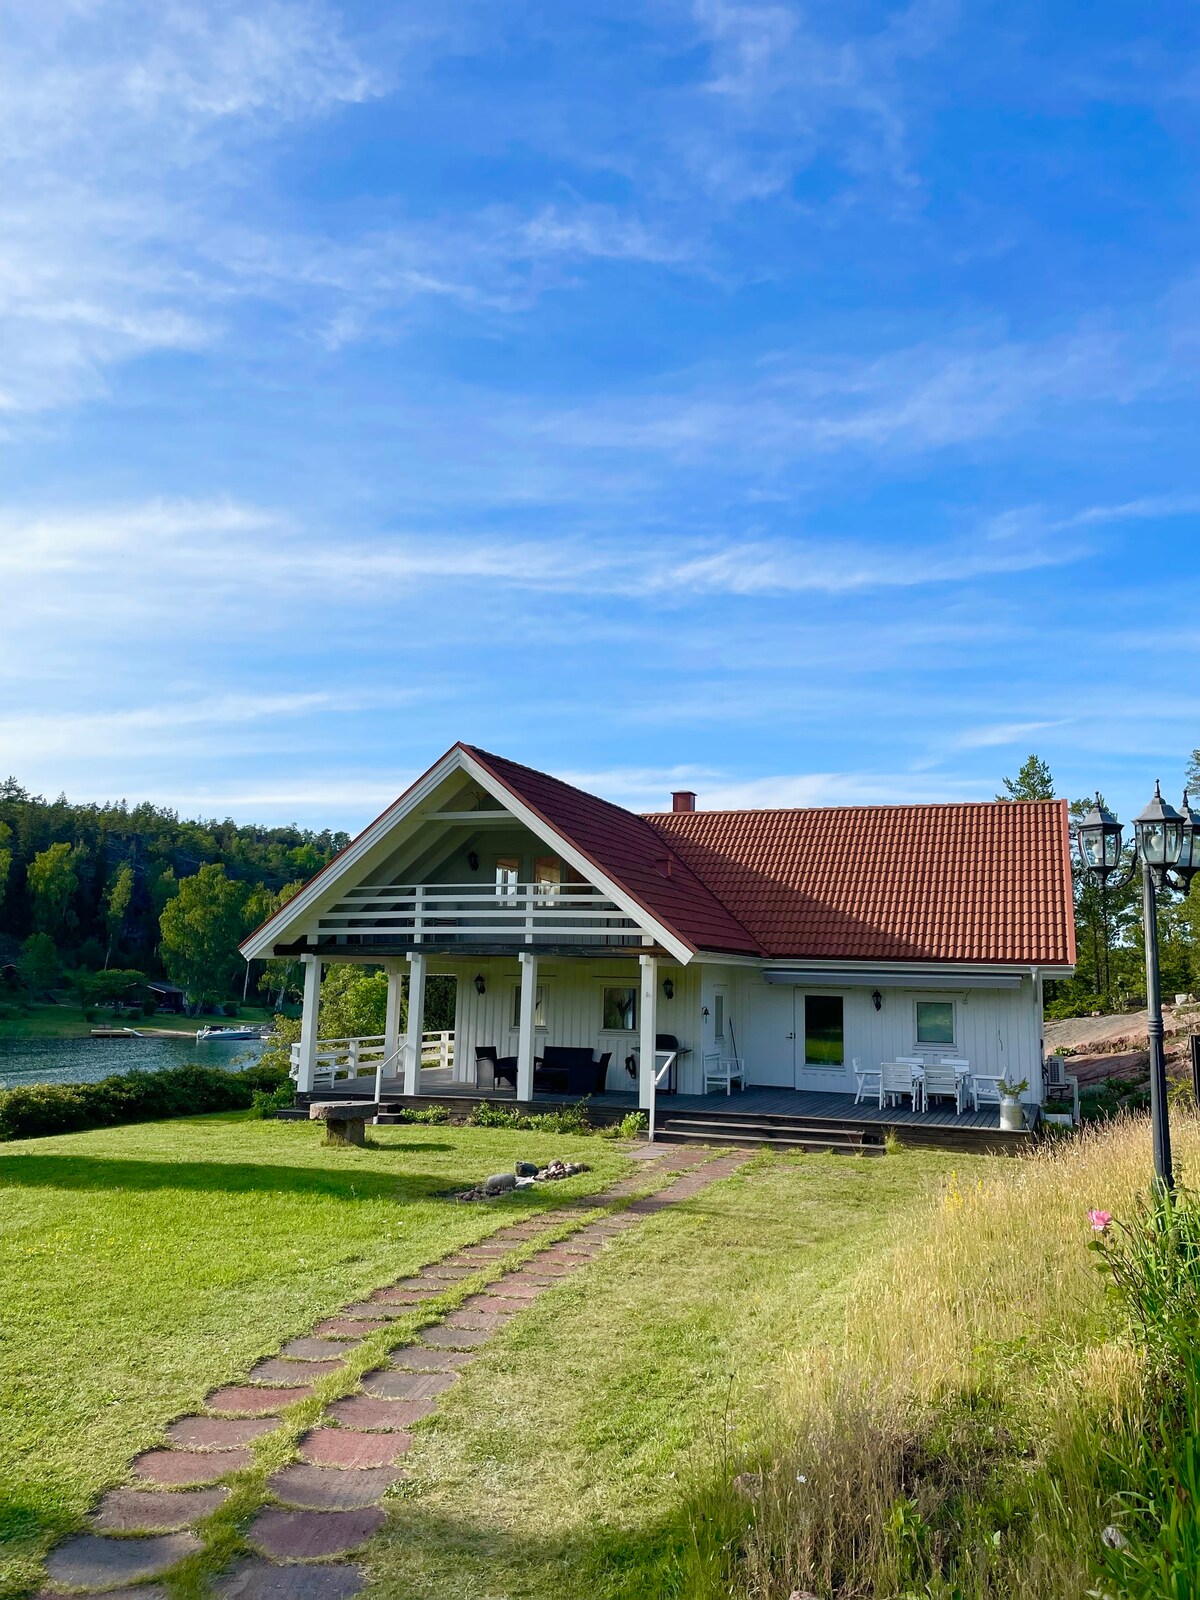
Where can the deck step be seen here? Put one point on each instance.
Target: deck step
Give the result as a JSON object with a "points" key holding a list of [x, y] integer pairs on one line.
{"points": [[779, 1133]]}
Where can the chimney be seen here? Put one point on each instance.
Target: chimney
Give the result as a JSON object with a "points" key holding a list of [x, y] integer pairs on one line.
{"points": [[683, 800]]}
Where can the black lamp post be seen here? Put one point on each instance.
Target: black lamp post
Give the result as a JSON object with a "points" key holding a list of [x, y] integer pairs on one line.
{"points": [[1166, 842]]}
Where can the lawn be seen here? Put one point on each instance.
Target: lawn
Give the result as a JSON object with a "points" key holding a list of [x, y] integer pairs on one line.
{"points": [[571, 1458], [141, 1266]]}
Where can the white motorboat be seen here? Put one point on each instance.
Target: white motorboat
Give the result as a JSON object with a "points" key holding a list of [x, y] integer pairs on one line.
{"points": [[228, 1034]]}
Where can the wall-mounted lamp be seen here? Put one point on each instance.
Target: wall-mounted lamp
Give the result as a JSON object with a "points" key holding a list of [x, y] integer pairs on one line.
{"points": [[480, 983], [877, 1000], [473, 860], [669, 988], [704, 1013]]}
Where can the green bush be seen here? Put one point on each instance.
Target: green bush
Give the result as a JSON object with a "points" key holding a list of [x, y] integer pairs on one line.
{"points": [[47, 1108], [278, 1099], [631, 1126], [1153, 1263], [429, 1114], [571, 1119]]}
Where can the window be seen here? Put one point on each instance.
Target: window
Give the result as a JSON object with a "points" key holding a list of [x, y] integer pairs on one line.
{"points": [[935, 1021], [824, 1038], [539, 1007], [620, 1010], [508, 876], [719, 1015]]}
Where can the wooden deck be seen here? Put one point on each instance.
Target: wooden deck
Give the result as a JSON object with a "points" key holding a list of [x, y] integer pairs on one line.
{"points": [[754, 1115]]}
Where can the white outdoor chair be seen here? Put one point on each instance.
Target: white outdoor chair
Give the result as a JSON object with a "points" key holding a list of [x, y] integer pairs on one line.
{"points": [[896, 1080], [941, 1080], [722, 1070], [985, 1089], [866, 1080]]}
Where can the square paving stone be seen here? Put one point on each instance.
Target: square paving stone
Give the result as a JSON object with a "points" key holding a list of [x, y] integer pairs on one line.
{"points": [[365, 1414], [451, 1273], [455, 1338], [513, 1288], [393, 1385], [370, 1312], [184, 1469], [485, 1321], [403, 1297], [313, 1535], [414, 1358], [252, 1402], [217, 1433], [263, 1580], [330, 1489], [91, 1561], [292, 1374], [353, 1328], [488, 1305], [318, 1349], [419, 1284], [154, 1510], [342, 1447]]}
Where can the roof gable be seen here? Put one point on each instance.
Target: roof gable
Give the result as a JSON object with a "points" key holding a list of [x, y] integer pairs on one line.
{"points": [[630, 851], [967, 883]]}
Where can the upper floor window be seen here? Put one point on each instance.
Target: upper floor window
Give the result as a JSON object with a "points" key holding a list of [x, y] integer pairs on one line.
{"points": [[508, 877]]}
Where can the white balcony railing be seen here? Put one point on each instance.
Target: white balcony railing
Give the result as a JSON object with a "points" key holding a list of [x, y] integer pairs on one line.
{"points": [[344, 1059], [473, 913]]}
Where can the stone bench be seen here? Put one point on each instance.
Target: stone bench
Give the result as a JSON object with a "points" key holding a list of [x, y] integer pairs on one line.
{"points": [[345, 1120]]}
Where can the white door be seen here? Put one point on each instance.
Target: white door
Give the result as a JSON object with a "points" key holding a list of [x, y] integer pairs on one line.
{"points": [[770, 1048]]}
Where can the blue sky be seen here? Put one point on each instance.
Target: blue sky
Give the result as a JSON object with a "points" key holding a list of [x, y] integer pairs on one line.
{"points": [[797, 403]]}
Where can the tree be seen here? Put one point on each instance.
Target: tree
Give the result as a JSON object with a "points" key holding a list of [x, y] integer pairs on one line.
{"points": [[114, 986], [1192, 777], [281, 976], [116, 906], [52, 881], [1033, 782], [6, 856], [200, 928], [39, 967]]}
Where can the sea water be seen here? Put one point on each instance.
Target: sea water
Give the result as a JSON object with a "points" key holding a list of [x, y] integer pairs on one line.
{"points": [[24, 1061]]}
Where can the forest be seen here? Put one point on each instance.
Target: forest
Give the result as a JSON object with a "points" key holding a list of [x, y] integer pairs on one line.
{"points": [[92, 894]]}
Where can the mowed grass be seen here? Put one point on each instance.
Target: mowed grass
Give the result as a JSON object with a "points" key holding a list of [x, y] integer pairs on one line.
{"points": [[142, 1266], [571, 1458]]}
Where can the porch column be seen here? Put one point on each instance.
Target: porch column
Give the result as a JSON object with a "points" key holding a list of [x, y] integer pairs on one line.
{"points": [[525, 1035], [648, 1030], [391, 1024], [308, 1024], [416, 1022]]}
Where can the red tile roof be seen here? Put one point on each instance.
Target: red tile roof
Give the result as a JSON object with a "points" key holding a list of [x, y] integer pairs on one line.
{"points": [[630, 851], [987, 883]]}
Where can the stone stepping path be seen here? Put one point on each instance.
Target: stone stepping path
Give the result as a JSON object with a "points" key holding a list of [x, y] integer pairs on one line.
{"points": [[90, 1561], [154, 1510], [327, 1504], [329, 1489]]}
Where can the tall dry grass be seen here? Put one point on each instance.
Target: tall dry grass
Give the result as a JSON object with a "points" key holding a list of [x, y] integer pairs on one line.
{"points": [[962, 1440]]}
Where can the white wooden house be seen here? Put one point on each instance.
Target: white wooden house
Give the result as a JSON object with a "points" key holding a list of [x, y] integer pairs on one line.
{"points": [[794, 941]]}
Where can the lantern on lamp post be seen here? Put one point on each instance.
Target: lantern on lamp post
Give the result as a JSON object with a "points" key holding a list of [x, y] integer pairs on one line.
{"points": [[1165, 842]]}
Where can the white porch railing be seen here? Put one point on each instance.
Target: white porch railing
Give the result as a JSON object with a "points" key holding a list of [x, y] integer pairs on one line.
{"points": [[461, 913], [354, 1058]]}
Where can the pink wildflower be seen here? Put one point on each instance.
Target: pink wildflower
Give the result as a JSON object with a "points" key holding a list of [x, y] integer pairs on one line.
{"points": [[1099, 1220]]}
